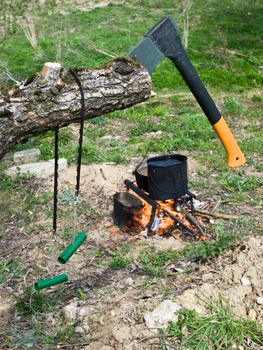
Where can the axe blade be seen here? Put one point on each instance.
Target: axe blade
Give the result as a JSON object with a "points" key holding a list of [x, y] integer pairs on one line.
{"points": [[147, 54]]}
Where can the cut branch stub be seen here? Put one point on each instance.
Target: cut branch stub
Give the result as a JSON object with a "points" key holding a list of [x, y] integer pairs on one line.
{"points": [[52, 98]]}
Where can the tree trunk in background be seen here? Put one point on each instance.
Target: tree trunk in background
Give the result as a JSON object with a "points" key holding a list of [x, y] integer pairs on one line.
{"points": [[52, 98]]}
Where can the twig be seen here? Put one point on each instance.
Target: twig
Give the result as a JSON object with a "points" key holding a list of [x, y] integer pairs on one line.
{"points": [[104, 52], [216, 205], [231, 52], [217, 215], [193, 221]]}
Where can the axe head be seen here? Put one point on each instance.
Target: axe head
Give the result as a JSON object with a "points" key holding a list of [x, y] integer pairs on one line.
{"points": [[161, 41]]}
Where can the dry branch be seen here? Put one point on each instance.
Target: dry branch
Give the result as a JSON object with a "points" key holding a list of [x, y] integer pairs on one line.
{"points": [[52, 98], [216, 215]]}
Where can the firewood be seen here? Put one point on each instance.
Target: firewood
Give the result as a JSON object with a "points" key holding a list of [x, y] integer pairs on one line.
{"points": [[52, 99], [216, 215]]}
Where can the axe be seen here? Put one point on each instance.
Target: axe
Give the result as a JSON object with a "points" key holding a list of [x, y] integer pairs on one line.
{"points": [[163, 41]]}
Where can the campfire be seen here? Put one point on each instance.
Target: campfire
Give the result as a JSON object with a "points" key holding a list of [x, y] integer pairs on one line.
{"points": [[158, 202]]}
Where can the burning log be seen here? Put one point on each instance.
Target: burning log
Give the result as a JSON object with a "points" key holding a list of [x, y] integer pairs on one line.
{"points": [[158, 217], [51, 98]]}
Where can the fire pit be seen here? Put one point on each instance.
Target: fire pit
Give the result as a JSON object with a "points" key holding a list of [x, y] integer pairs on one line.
{"points": [[160, 201]]}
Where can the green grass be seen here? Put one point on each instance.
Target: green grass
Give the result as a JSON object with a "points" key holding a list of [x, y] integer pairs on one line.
{"points": [[21, 190], [118, 261], [33, 302], [183, 126], [203, 251], [240, 183], [80, 36], [10, 269], [232, 106], [36, 308], [219, 330], [225, 47], [153, 262]]}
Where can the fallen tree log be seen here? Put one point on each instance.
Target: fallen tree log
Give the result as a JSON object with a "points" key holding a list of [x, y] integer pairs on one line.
{"points": [[52, 98]]}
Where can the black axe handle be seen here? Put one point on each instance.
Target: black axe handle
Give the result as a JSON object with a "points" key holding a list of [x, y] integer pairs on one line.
{"points": [[166, 37]]}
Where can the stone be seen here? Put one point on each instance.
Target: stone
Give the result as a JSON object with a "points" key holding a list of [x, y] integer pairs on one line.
{"points": [[111, 137], [237, 272], [162, 315], [208, 277], [70, 311], [121, 333], [252, 315], [129, 281], [245, 281], [41, 170], [259, 300], [27, 156], [83, 329], [5, 309], [79, 330], [84, 311]]}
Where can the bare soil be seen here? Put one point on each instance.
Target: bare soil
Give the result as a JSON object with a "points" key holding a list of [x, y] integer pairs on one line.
{"points": [[116, 300]]}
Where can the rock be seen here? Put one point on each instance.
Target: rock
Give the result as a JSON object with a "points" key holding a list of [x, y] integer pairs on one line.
{"points": [[83, 329], [252, 315], [259, 300], [83, 312], [245, 281], [162, 315], [27, 156], [237, 272], [208, 277], [79, 330], [121, 333], [111, 137], [41, 169], [208, 290], [70, 311], [190, 300], [107, 137], [5, 310], [252, 275], [129, 281], [113, 313], [153, 134], [98, 346]]}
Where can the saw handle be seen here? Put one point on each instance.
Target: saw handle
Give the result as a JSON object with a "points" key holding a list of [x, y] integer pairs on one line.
{"points": [[183, 64]]}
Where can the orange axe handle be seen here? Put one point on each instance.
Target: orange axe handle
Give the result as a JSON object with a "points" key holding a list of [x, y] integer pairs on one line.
{"points": [[235, 157]]}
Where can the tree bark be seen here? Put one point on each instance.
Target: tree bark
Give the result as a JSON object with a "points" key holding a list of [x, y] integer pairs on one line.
{"points": [[52, 98]]}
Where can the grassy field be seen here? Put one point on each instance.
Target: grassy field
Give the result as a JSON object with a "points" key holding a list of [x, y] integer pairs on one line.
{"points": [[225, 46]]}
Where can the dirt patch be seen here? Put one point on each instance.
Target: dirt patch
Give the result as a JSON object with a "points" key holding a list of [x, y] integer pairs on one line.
{"points": [[98, 179], [236, 278], [115, 301], [106, 179]]}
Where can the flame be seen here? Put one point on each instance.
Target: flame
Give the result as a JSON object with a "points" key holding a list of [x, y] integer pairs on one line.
{"points": [[163, 223]]}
